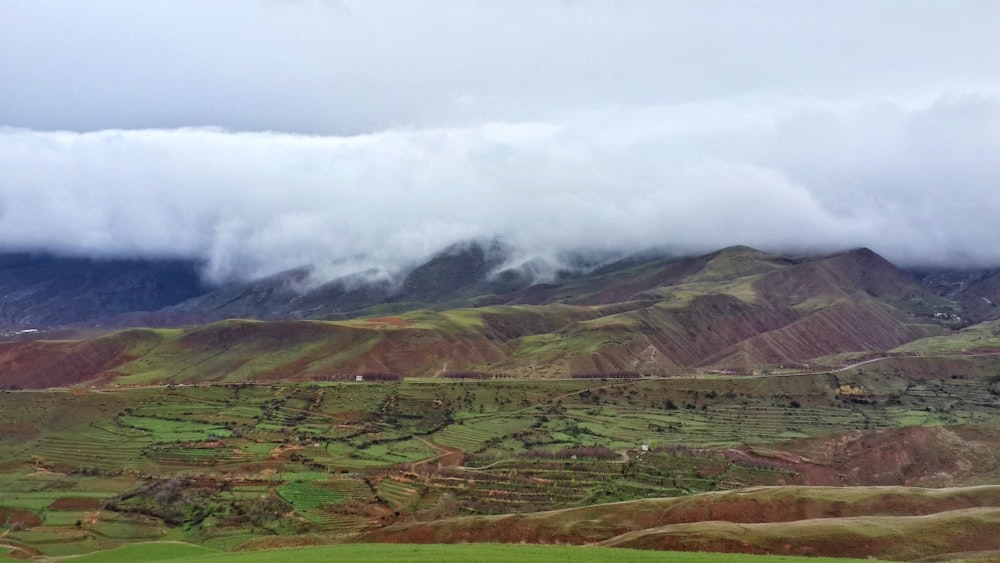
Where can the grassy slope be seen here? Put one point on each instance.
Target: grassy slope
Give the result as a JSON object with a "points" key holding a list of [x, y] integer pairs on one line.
{"points": [[849, 522], [421, 553], [889, 537], [151, 551], [736, 309], [779, 507], [982, 337]]}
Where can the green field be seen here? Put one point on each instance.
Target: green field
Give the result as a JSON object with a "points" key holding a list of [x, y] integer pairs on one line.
{"points": [[979, 337], [240, 466]]}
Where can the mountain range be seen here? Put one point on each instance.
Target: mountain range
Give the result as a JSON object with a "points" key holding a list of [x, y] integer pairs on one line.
{"points": [[734, 310]]}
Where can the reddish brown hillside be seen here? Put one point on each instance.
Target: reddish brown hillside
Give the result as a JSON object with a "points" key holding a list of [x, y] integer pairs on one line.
{"points": [[41, 364], [924, 456], [737, 308], [758, 505], [875, 275], [686, 336], [517, 322], [426, 353], [841, 275], [848, 326]]}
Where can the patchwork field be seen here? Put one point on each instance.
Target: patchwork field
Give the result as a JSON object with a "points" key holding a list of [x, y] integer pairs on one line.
{"points": [[243, 466]]}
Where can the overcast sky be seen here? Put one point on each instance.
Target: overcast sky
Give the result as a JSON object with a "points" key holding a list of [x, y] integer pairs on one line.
{"points": [[258, 135]]}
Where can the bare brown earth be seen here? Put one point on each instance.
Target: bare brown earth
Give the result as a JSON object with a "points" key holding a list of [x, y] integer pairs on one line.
{"points": [[75, 503], [41, 364], [24, 518]]}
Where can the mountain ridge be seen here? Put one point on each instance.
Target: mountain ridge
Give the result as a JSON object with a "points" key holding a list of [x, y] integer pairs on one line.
{"points": [[737, 309], [44, 291]]}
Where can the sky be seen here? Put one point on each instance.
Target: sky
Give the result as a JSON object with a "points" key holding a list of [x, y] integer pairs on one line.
{"points": [[260, 135]]}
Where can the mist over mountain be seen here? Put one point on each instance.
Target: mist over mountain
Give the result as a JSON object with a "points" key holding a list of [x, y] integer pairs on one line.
{"points": [[798, 178], [348, 137], [331, 148], [276, 273], [47, 292], [733, 309]]}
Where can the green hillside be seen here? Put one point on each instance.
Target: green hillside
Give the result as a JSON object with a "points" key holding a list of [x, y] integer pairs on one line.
{"points": [[738, 310]]}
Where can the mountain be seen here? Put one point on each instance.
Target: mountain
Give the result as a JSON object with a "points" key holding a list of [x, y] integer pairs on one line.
{"points": [[981, 301], [38, 291], [976, 292], [460, 270], [737, 309]]}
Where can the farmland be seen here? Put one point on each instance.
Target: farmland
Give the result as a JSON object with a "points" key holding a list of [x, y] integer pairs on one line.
{"points": [[278, 464]]}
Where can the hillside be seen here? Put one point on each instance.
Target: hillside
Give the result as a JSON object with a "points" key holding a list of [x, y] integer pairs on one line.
{"points": [[886, 522], [737, 310]]}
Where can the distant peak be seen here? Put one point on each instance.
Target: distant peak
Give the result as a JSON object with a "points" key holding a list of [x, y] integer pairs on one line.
{"points": [[870, 271], [734, 262], [740, 249], [491, 248], [862, 253]]}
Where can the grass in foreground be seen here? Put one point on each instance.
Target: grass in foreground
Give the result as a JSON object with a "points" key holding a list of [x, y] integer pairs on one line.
{"points": [[405, 553]]}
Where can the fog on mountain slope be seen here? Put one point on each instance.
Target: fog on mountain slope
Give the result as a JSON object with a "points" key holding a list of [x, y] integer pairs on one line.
{"points": [[364, 137], [915, 183], [48, 292], [732, 310]]}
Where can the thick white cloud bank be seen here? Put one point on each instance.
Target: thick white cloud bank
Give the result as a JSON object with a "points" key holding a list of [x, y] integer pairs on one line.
{"points": [[916, 182], [258, 135]]}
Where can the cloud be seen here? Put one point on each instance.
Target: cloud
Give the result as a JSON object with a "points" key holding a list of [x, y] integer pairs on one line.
{"points": [[362, 66], [357, 135], [914, 181]]}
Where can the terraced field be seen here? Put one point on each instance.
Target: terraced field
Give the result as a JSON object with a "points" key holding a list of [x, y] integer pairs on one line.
{"points": [[464, 437], [218, 465], [97, 449], [308, 496], [167, 430], [350, 489], [200, 455], [399, 495]]}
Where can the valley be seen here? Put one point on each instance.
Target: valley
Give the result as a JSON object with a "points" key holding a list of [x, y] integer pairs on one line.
{"points": [[431, 460], [737, 402]]}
